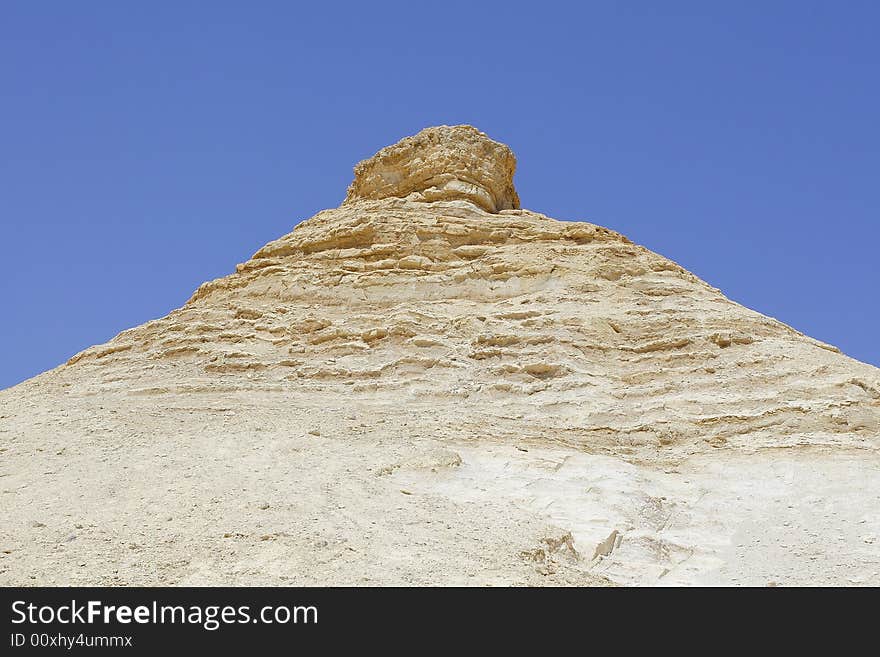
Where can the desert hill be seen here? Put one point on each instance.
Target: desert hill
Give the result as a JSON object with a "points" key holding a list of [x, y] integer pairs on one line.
{"points": [[432, 385]]}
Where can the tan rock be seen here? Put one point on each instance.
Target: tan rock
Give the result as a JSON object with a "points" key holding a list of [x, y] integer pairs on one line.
{"points": [[441, 164]]}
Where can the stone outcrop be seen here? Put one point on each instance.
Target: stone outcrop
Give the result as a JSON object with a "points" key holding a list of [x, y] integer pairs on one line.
{"points": [[441, 164], [440, 375]]}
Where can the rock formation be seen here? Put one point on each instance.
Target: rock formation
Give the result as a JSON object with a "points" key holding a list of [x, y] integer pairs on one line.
{"points": [[430, 385], [440, 164]]}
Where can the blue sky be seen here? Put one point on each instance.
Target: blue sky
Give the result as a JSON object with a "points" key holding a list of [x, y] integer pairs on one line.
{"points": [[148, 147]]}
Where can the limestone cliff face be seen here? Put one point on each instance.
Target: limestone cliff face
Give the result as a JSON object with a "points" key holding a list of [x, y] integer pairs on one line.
{"points": [[427, 316]]}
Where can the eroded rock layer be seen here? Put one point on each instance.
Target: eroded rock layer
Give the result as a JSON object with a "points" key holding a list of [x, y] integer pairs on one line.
{"points": [[441, 164], [606, 342]]}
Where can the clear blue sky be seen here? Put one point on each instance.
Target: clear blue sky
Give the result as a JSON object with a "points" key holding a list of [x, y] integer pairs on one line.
{"points": [[148, 147]]}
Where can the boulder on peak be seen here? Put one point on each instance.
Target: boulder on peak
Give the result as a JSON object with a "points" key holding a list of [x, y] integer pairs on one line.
{"points": [[441, 163]]}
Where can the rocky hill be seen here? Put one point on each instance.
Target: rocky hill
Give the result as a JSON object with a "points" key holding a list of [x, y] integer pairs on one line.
{"points": [[431, 385]]}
